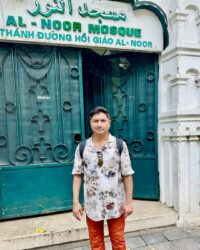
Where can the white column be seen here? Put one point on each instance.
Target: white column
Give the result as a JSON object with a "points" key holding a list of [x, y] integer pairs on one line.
{"points": [[179, 115]]}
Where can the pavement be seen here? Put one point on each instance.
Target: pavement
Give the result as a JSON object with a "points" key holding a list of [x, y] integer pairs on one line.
{"points": [[63, 229], [165, 238]]}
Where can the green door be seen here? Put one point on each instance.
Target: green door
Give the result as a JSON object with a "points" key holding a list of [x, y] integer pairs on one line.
{"points": [[126, 83], [41, 122]]}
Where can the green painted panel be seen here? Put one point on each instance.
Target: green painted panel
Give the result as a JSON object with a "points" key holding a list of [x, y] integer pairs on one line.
{"points": [[35, 190], [41, 117], [146, 181], [126, 83]]}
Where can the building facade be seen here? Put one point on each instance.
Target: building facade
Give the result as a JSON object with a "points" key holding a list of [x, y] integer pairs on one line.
{"points": [[179, 109], [59, 59]]}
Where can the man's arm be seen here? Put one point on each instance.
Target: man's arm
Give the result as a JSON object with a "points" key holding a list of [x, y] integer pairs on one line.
{"points": [[128, 206], [77, 208]]}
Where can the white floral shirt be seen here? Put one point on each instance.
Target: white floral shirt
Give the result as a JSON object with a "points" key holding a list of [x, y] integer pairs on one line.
{"points": [[104, 192]]}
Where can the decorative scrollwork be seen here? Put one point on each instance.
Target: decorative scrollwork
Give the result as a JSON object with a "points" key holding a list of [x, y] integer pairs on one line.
{"points": [[40, 119], [119, 95], [36, 62], [120, 119], [118, 66], [136, 146], [67, 106], [10, 107], [23, 156], [150, 77], [75, 72], [60, 153], [142, 107], [35, 59], [3, 141], [5, 52], [42, 147], [39, 90], [150, 135]]}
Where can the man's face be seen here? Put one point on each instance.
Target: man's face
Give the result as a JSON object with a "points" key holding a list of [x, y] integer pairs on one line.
{"points": [[100, 124]]}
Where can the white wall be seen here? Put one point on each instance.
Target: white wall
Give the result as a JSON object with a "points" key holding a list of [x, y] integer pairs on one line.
{"points": [[179, 112]]}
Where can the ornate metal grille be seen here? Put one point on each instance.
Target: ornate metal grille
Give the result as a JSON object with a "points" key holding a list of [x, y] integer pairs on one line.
{"points": [[40, 120]]}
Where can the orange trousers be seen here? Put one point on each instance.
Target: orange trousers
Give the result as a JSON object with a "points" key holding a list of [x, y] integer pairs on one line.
{"points": [[116, 233]]}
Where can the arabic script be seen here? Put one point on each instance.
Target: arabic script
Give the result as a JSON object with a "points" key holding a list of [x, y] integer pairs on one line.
{"points": [[57, 7], [94, 13]]}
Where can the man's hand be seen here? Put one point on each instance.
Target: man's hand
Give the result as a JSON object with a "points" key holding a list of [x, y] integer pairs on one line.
{"points": [[77, 211], [128, 205], [128, 208]]}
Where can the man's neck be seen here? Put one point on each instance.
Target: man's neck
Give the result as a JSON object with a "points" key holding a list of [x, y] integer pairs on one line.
{"points": [[100, 140]]}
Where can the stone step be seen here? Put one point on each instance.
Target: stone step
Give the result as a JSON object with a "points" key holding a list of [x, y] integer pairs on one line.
{"points": [[61, 228]]}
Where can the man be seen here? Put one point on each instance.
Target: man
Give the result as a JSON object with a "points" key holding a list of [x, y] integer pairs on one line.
{"points": [[108, 184]]}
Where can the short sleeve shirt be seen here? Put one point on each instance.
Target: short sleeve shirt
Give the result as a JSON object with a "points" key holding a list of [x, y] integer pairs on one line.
{"points": [[104, 191]]}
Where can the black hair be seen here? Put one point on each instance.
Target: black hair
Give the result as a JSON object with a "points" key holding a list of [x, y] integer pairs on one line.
{"points": [[98, 110]]}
